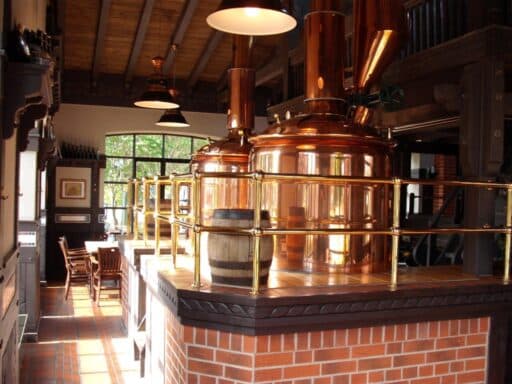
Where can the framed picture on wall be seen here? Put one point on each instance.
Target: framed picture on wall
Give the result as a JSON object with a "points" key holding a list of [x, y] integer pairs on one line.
{"points": [[73, 189]]}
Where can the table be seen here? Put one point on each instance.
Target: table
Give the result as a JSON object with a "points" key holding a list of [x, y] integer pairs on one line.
{"points": [[92, 246]]}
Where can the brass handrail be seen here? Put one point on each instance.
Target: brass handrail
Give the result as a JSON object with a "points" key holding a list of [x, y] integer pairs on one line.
{"points": [[257, 179]]}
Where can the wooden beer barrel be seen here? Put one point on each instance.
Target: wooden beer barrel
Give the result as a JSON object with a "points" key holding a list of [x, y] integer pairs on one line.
{"points": [[231, 255], [295, 243]]}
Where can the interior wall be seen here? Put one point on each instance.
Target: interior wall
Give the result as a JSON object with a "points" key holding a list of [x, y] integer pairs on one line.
{"points": [[88, 124], [29, 13]]}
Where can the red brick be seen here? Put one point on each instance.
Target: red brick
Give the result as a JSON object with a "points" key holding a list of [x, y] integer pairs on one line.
{"points": [[478, 339], [373, 363], [472, 365], [301, 371], [303, 357], [238, 373], [224, 340], [262, 344], [423, 330], [439, 356], [200, 336], [468, 353], [393, 374], [353, 336], [249, 343], [188, 334], [454, 327], [303, 381], [368, 350], [235, 343], [471, 377], [273, 359], [322, 380], [484, 325], [327, 339], [410, 372], [463, 326], [341, 379], [400, 332], [457, 366], [359, 378], [289, 342], [331, 354], [212, 338], [192, 379], [426, 370], [315, 339], [430, 380], [200, 353], [393, 348], [204, 367], [339, 367], [302, 341], [268, 375], [412, 331], [340, 338], [224, 381], [433, 328], [450, 379], [444, 328], [242, 360], [389, 333], [412, 359], [376, 377], [207, 380], [377, 335], [442, 368], [418, 345], [451, 342], [276, 343], [473, 325], [365, 336]]}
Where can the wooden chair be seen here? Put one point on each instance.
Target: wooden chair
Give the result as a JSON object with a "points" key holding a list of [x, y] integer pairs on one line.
{"points": [[75, 260], [107, 267]]}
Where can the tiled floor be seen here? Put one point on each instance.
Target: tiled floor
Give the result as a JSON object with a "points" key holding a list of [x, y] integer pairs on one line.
{"points": [[79, 343]]}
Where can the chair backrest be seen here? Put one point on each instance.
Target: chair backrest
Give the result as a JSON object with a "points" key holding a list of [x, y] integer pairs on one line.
{"points": [[64, 249], [109, 260]]}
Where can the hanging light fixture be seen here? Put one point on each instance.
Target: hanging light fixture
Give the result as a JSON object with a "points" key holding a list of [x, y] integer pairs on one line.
{"points": [[157, 95], [251, 17], [173, 118]]}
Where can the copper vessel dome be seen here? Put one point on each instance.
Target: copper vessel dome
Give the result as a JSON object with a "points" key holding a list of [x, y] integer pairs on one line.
{"points": [[323, 141]]}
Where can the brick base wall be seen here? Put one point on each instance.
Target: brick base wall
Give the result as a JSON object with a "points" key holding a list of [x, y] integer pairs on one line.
{"points": [[436, 352]]}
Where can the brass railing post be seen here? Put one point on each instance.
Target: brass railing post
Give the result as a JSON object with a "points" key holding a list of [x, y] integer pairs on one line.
{"points": [[135, 209], [508, 235], [145, 210], [397, 183], [156, 213], [196, 207], [256, 235], [174, 219]]}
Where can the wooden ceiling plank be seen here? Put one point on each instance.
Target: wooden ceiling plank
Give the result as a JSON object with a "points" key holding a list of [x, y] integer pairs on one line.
{"points": [[208, 50], [179, 32], [140, 35], [100, 38]]}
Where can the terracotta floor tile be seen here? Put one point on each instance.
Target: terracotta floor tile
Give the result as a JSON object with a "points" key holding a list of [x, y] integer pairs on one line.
{"points": [[79, 343]]}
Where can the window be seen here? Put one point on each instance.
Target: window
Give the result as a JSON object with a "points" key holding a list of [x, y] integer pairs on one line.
{"points": [[137, 156]]}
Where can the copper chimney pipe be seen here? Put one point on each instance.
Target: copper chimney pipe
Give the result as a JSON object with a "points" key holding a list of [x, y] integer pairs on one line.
{"points": [[324, 66], [380, 27], [242, 80]]}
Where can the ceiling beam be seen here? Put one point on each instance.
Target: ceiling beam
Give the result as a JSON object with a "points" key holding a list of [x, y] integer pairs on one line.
{"points": [[100, 39], [179, 33], [211, 45], [140, 35]]}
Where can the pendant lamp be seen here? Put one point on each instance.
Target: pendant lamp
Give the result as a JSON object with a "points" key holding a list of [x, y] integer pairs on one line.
{"points": [[251, 17], [173, 118], [157, 95]]}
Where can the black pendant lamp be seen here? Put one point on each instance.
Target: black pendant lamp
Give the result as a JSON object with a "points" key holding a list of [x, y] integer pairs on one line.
{"points": [[173, 118], [251, 17], [157, 95]]}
